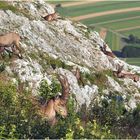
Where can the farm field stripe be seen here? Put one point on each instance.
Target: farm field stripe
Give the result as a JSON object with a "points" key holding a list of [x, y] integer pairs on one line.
{"points": [[133, 62], [80, 3], [126, 29], [117, 20], [106, 18], [136, 32], [76, 11], [105, 13], [122, 24]]}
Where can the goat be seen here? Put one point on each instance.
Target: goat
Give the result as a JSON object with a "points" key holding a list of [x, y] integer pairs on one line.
{"points": [[50, 17], [103, 49], [49, 110], [56, 104], [10, 40], [65, 87], [78, 76], [121, 74]]}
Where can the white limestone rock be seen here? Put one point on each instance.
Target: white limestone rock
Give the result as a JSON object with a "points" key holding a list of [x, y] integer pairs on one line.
{"points": [[84, 95], [113, 85]]}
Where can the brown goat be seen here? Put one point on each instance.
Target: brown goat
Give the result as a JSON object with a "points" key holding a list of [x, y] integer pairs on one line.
{"points": [[103, 49], [56, 104], [50, 17], [49, 110], [10, 40], [121, 74], [78, 76], [65, 87]]}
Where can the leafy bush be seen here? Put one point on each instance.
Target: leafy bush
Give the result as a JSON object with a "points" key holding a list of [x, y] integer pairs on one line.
{"points": [[112, 113], [98, 78], [92, 130], [19, 117], [5, 6], [111, 110], [47, 91], [54, 63]]}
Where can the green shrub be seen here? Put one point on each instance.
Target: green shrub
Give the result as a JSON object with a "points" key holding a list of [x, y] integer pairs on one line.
{"points": [[5, 6], [50, 61], [98, 78], [112, 113], [7, 93], [47, 91], [19, 117], [92, 130], [78, 127], [17, 113]]}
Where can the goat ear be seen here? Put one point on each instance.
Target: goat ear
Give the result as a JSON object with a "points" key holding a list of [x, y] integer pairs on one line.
{"points": [[61, 78], [120, 68], [66, 82], [77, 69], [78, 74], [105, 46]]}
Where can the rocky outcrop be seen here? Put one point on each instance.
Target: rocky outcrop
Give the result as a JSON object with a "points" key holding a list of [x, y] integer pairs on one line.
{"points": [[70, 42]]}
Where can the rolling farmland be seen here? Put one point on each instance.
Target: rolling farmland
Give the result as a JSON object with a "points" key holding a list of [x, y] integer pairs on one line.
{"points": [[133, 61], [120, 18]]}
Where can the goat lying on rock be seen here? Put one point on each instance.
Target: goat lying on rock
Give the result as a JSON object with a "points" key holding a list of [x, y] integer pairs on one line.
{"points": [[121, 74], [103, 49], [50, 17]]}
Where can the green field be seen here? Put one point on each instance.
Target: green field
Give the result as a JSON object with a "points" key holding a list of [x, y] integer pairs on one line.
{"points": [[99, 7], [133, 61], [134, 31], [113, 41], [113, 22], [110, 18], [122, 24]]}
